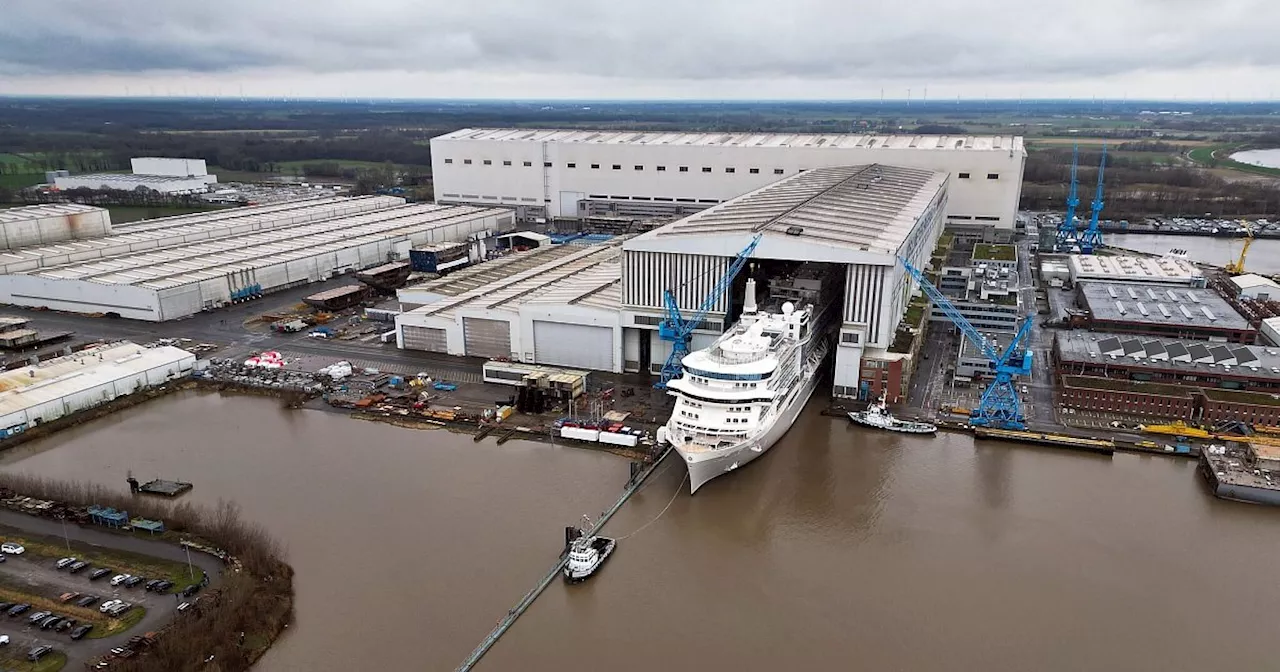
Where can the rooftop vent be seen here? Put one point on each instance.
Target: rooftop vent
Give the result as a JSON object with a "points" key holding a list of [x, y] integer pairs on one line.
{"points": [[795, 230]]}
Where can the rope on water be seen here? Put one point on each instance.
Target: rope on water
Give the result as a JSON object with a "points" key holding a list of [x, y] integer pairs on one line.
{"points": [[664, 509]]}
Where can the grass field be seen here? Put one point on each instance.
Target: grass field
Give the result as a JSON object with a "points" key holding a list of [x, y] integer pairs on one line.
{"points": [[1215, 156], [21, 180]]}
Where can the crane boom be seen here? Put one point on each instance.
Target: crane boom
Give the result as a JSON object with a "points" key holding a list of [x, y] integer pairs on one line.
{"points": [[1237, 267], [679, 331], [1000, 407], [1067, 235], [1092, 237]]}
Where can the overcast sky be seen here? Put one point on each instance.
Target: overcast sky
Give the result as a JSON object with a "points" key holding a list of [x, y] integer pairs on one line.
{"points": [[703, 49]]}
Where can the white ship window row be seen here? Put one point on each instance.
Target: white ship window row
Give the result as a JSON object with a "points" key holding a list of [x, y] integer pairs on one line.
{"points": [[699, 373], [710, 431]]}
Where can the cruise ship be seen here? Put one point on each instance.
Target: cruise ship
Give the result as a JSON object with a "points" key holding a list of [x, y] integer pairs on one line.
{"points": [[736, 398]]}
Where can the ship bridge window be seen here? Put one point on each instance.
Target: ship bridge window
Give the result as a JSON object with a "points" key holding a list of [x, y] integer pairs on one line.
{"points": [[727, 376]]}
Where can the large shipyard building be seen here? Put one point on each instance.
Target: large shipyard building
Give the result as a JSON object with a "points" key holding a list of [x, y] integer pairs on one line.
{"points": [[171, 268], [581, 173], [837, 230], [52, 223], [846, 224]]}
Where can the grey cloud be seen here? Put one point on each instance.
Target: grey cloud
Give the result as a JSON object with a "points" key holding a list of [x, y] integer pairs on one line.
{"points": [[922, 40]]}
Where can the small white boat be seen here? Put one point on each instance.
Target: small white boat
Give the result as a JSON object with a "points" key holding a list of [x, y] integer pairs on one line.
{"points": [[587, 553], [879, 417]]}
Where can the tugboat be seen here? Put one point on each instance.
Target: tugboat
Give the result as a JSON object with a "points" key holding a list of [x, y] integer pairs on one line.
{"points": [[878, 417], [586, 553]]}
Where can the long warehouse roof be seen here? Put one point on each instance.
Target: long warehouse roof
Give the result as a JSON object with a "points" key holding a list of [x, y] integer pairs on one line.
{"points": [[1159, 305], [161, 238], [871, 207], [1001, 143], [586, 276], [41, 211], [184, 264], [26, 387], [233, 213]]}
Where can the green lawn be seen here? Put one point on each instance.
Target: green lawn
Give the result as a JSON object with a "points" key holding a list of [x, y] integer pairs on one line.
{"points": [[288, 167], [21, 180], [1215, 156], [12, 158]]}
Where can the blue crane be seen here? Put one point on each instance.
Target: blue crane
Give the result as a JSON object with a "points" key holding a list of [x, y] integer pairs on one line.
{"points": [[679, 331], [1000, 407], [1092, 237], [1067, 235]]}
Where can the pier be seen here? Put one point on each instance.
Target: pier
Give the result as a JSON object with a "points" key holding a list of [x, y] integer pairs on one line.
{"points": [[525, 602]]}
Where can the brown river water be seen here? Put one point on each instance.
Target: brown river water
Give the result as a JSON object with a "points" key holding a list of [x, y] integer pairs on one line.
{"points": [[840, 549]]}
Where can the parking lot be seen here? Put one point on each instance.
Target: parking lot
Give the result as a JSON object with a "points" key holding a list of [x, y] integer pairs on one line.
{"points": [[32, 578]]}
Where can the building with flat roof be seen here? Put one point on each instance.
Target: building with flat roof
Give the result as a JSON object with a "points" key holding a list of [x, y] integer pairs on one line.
{"points": [[1165, 270], [585, 173], [51, 223], [165, 175], [1160, 310], [158, 283], [33, 395], [1256, 287]]}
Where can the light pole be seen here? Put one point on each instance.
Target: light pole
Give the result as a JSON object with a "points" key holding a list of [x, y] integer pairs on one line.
{"points": [[191, 570], [64, 534]]}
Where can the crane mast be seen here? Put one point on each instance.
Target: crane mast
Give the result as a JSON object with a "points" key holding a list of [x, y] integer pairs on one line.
{"points": [[1092, 237]]}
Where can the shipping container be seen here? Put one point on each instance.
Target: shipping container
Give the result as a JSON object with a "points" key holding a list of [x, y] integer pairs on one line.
{"points": [[619, 439], [580, 433]]}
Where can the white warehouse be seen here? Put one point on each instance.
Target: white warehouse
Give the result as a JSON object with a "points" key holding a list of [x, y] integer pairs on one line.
{"points": [[553, 305], [167, 176], [171, 282], [58, 387], [579, 173], [857, 219], [56, 222], [185, 229], [598, 307]]}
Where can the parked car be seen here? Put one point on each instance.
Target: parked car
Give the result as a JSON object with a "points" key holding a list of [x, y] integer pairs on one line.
{"points": [[191, 590], [65, 625], [50, 622], [3, 557], [184, 606], [107, 606], [64, 563], [151, 585], [87, 601], [119, 579], [80, 631], [118, 650], [5, 606], [4, 640], [98, 573], [67, 597], [17, 609], [12, 549], [133, 581], [38, 616], [120, 609], [77, 566], [39, 652], [163, 586]]}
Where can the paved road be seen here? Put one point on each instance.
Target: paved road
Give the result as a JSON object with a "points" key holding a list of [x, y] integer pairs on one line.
{"points": [[160, 609]]}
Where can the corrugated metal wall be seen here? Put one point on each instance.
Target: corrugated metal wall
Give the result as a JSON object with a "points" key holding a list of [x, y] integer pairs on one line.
{"points": [[690, 276], [486, 338], [579, 345], [427, 339], [863, 298]]}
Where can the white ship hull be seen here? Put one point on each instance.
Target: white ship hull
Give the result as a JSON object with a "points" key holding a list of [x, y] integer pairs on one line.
{"points": [[706, 464]]}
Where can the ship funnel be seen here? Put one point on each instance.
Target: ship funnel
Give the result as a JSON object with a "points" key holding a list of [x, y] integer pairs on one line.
{"points": [[749, 303]]}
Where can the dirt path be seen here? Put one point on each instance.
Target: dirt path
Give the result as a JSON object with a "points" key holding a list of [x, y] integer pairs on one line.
{"points": [[160, 608]]}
